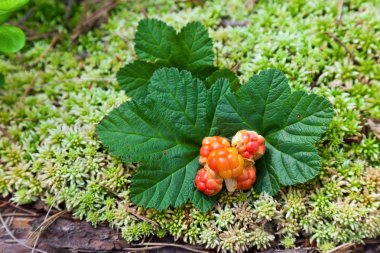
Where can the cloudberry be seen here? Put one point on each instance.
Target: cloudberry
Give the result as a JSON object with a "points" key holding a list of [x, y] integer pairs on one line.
{"points": [[249, 144], [228, 164], [246, 179], [209, 144]]}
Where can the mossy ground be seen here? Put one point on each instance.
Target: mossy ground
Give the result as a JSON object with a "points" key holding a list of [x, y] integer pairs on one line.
{"points": [[49, 151]]}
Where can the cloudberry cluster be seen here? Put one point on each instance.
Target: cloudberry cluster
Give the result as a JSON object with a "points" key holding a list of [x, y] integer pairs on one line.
{"points": [[233, 164]]}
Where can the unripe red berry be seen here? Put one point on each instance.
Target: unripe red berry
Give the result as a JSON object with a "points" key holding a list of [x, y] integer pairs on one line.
{"points": [[208, 182], [246, 180]]}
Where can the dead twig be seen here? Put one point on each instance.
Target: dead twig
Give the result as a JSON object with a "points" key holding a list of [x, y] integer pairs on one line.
{"points": [[10, 219], [141, 217], [176, 245], [23, 209], [319, 76], [131, 210], [45, 224], [52, 45], [14, 238], [143, 249], [145, 14], [6, 202], [340, 12], [372, 241], [20, 215], [27, 15], [27, 90], [341, 248], [97, 17], [336, 39], [69, 9], [32, 36], [233, 23], [251, 4], [235, 67], [374, 125]]}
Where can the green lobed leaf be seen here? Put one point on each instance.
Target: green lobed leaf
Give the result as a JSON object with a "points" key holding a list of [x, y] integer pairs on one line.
{"points": [[182, 100], [223, 73], [203, 202], [215, 94], [136, 132], [134, 77], [267, 179], [154, 40], [166, 182], [7, 7], [12, 39], [160, 45], [193, 50], [290, 122], [164, 132]]}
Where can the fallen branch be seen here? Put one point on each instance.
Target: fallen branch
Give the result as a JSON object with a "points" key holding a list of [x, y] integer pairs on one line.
{"points": [[143, 249], [176, 245], [131, 210], [19, 215], [374, 125], [52, 45], [14, 238], [42, 226], [251, 4], [341, 248], [5, 203], [340, 12], [351, 55], [372, 241], [22, 209], [68, 11], [317, 79], [233, 23], [86, 24], [27, 90], [33, 36]]}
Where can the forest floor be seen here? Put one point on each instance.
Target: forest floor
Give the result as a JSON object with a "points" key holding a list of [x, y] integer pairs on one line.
{"points": [[56, 176]]}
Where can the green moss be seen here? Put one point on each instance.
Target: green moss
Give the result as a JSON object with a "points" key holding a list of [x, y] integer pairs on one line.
{"points": [[49, 151]]}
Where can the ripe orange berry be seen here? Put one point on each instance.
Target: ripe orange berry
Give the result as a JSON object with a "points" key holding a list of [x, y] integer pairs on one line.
{"points": [[226, 162], [209, 144], [208, 182], [249, 144], [246, 180]]}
